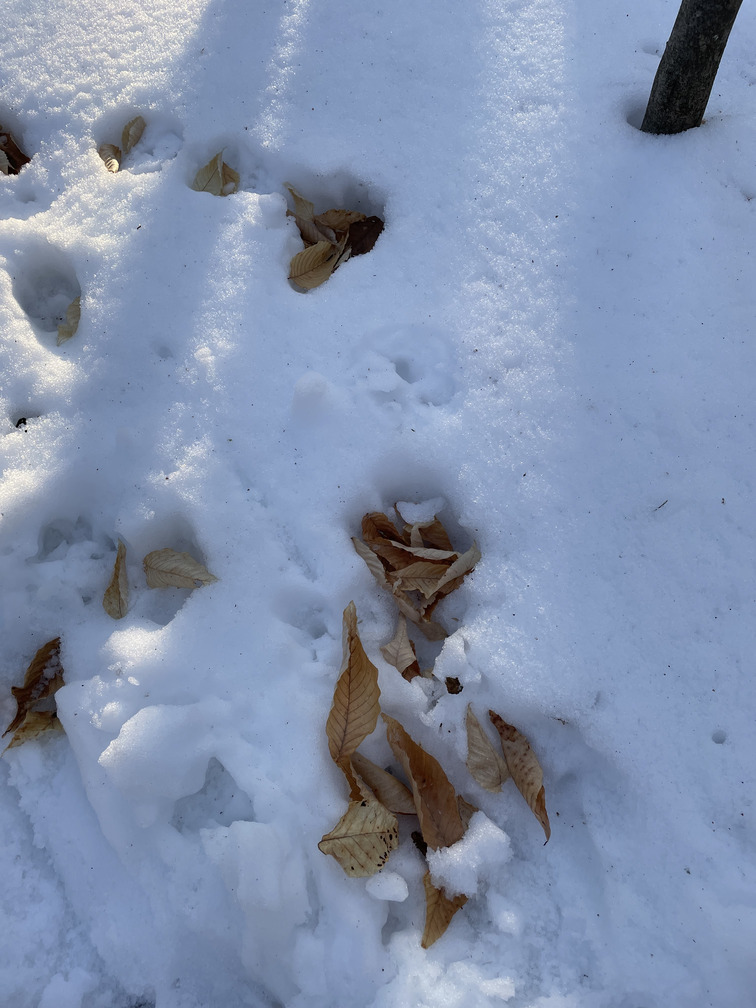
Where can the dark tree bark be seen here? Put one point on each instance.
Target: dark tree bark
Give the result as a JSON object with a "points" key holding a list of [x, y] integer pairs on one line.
{"points": [[689, 65]]}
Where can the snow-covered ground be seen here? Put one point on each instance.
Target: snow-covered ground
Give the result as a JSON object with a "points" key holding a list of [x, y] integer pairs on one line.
{"points": [[551, 344]]}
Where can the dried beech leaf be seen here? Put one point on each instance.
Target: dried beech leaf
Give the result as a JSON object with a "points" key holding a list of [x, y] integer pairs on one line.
{"points": [[435, 798], [73, 316], [524, 767], [115, 601], [363, 838], [111, 155], [338, 220], [355, 708], [303, 215], [364, 234], [466, 810], [397, 556], [433, 631], [485, 764], [423, 576], [313, 266], [374, 565], [13, 154], [4, 163], [42, 680], [439, 910], [377, 526], [389, 791], [132, 134], [216, 177], [433, 534], [165, 568], [35, 724], [400, 652], [458, 570], [302, 207]]}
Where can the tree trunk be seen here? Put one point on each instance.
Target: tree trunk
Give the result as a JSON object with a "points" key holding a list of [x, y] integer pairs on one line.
{"points": [[689, 65]]}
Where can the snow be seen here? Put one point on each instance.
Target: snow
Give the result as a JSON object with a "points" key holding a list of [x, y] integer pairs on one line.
{"points": [[551, 345]]}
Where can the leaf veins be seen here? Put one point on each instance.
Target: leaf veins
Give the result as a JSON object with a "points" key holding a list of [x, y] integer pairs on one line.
{"points": [[524, 767], [165, 568], [363, 838], [435, 798], [355, 708]]}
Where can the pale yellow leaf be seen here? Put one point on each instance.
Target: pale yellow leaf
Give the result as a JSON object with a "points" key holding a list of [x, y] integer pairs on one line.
{"points": [[355, 708], [400, 652], [111, 155], [216, 177], [435, 798], [439, 910], [165, 568], [115, 601], [313, 266], [376, 526], [302, 207], [524, 767], [73, 317], [387, 789], [4, 163], [397, 557], [458, 569], [363, 838], [132, 134], [303, 214], [423, 576], [338, 220], [486, 765]]}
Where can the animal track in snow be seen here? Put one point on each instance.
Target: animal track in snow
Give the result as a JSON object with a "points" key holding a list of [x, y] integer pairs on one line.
{"points": [[160, 142], [44, 284], [407, 366]]}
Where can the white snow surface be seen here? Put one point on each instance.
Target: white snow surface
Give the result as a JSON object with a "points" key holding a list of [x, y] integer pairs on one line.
{"points": [[551, 345]]}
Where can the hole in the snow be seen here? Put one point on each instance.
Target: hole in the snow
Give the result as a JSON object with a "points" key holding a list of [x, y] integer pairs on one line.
{"points": [[719, 736], [44, 284], [220, 801]]}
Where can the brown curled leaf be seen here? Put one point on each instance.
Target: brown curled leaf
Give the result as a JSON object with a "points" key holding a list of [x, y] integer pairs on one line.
{"points": [[439, 910], [354, 711], [387, 789], [524, 767], [42, 680], [115, 601], [400, 652], [435, 798], [111, 155]]}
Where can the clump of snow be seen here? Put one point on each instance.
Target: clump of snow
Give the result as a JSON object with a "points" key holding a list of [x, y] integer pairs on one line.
{"points": [[472, 861], [388, 885]]}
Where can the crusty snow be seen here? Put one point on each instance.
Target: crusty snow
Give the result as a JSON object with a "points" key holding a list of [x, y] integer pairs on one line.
{"points": [[551, 345]]}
